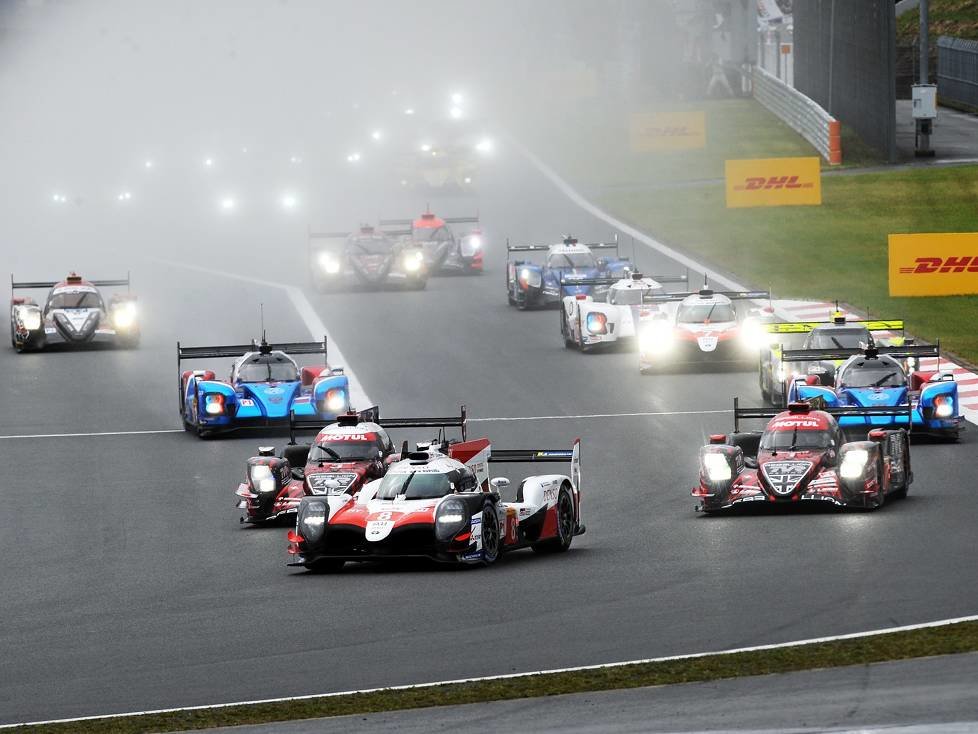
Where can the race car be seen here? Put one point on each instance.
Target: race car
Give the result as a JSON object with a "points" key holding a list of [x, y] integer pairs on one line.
{"points": [[366, 258], [265, 387], [74, 314], [443, 251], [586, 323], [874, 376], [802, 457], [344, 455], [439, 503], [707, 328], [839, 333], [532, 284]]}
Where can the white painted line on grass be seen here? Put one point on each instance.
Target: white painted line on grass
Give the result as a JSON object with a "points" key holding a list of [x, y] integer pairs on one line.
{"points": [[505, 676], [95, 433], [317, 329], [597, 415]]}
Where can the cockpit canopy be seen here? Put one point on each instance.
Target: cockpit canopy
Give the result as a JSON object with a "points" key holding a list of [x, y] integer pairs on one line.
{"points": [[811, 431], [273, 367], [881, 371], [423, 483]]}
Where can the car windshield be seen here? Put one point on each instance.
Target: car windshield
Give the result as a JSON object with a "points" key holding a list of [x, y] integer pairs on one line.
{"points": [[571, 260], [840, 338], [329, 451], [873, 373], [782, 440], [268, 368], [625, 296], [415, 486], [80, 299], [371, 246], [701, 313]]}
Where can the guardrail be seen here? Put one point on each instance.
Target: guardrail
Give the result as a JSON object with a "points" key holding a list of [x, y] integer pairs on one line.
{"points": [[957, 71], [800, 113]]}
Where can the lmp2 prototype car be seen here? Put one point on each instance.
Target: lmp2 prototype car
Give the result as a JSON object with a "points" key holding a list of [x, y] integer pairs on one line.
{"points": [[444, 252], [839, 333], [532, 284], [802, 457], [366, 258], [265, 387], [344, 455], [440, 503], [707, 328], [874, 377], [74, 314], [586, 323]]}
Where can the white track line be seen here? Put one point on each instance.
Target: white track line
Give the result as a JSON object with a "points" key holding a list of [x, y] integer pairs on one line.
{"points": [[97, 433], [315, 325], [505, 676]]}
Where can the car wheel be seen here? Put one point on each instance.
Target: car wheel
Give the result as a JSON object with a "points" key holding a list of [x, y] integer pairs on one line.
{"points": [[490, 535], [565, 525]]}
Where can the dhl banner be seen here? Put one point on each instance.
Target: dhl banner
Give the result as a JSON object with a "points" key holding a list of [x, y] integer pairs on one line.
{"points": [[933, 264], [651, 132], [774, 182]]}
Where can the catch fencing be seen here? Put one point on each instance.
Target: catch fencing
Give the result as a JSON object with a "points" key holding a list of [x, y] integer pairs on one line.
{"points": [[800, 113], [957, 71]]}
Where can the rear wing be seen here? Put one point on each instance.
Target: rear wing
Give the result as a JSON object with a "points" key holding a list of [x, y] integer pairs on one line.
{"points": [[236, 350], [803, 327], [409, 222], [372, 415], [534, 456], [30, 284], [899, 352], [854, 411], [567, 283], [543, 248], [706, 293]]}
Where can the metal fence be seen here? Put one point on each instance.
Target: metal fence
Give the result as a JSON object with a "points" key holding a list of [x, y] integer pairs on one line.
{"points": [[957, 71], [799, 112], [844, 60]]}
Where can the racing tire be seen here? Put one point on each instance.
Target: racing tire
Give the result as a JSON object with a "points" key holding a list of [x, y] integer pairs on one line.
{"points": [[564, 331], [901, 492], [491, 538], [325, 565], [565, 525]]}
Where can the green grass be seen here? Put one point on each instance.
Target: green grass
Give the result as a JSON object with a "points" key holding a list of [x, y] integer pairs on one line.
{"points": [[835, 251], [946, 18], [945, 640]]}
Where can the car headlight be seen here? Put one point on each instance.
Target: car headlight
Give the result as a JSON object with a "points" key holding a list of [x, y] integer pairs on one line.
{"points": [[213, 404], [530, 278], [262, 479], [475, 242], [311, 523], [30, 319], [753, 335], [413, 262], [450, 518], [779, 372], [854, 464], [329, 264], [597, 323], [657, 338], [335, 400], [943, 406], [716, 467], [124, 315]]}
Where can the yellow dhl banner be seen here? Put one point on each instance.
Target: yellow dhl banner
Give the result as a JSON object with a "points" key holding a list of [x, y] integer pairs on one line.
{"points": [[803, 327], [651, 132], [933, 264], [773, 182]]}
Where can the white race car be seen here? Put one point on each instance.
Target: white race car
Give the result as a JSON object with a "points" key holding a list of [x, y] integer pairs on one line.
{"points": [[586, 323]]}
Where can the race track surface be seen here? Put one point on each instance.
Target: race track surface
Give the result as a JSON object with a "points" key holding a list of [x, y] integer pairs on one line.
{"points": [[129, 585]]}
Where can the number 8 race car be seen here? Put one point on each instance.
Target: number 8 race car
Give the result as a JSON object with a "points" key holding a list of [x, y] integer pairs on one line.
{"points": [[439, 503]]}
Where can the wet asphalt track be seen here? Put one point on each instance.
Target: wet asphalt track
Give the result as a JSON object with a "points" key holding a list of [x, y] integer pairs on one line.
{"points": [[127, 583]]}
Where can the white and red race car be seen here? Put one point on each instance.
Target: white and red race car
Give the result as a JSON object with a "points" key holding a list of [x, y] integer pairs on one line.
{"points": [[439, 503], [707, 327], [586, 323]]}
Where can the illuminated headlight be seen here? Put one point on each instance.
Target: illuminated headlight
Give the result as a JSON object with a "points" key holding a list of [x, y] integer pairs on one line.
{"points": [[30, 319], [779, 372], [854, 464], [312, 522], [450, 518], [124, 315], [943, 406], [911, 364], [597, 323], [413, 262], [262, 479], [335, 400], [484, 146], [214, 404], [716, 467], [475, 242], [329, 263], [657, 339], [753, 336], [530, 278]]}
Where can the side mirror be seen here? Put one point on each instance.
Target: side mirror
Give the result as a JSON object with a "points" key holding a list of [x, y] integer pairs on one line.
{"points": [[498, 483], [299, 473]]}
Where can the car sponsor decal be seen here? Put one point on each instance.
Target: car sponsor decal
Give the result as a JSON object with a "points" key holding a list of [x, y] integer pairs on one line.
{"points": [[707, 343], [785, 476], [246, 403]]}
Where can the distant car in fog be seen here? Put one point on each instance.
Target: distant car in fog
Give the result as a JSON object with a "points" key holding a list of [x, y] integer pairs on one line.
{"points": [[365, 259], [444, 251], [265, 387], [74, 315]]}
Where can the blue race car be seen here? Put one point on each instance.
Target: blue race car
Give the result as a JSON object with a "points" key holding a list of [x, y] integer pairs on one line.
{"points": [[265, 387], [875, 378], [532, 284]]}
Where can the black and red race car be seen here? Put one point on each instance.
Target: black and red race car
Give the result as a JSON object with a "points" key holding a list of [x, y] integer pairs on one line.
{"points": [[439, 503], [344, 456], [365, 259], [802, 456], [444, 251]]}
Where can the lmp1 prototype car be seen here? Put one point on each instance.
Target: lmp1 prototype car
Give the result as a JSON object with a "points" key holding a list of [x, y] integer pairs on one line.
{"points": [[366, 258], [707, 328], [345, 455], [265, 387], [874, 377], [440, 503], [444, 252], [586, 323], [74, 314], [801, 457], [532, 284], [839, 333]]}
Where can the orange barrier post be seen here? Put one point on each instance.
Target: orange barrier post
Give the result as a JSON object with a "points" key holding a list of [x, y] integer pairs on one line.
{"points": [[835, 143]]}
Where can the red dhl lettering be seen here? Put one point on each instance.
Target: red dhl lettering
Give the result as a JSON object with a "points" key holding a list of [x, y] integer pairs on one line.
{"points": [[758, 183], [954, 264]]}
